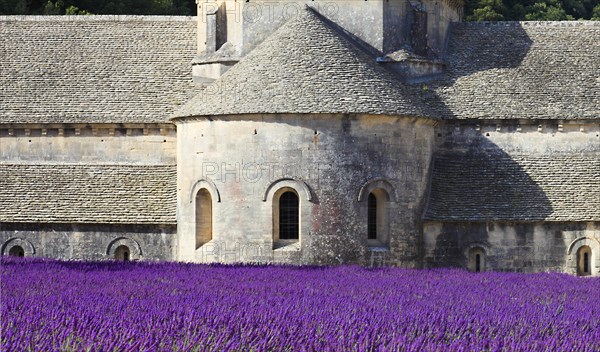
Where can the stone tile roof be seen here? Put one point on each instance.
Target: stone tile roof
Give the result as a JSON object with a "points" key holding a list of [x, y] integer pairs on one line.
{"points": [[307, 66], [94, 69], [534, 70], [76, 193], [517, 188]]}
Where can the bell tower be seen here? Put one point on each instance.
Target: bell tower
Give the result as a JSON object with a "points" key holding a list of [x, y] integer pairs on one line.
{"points": [[409, 36]]}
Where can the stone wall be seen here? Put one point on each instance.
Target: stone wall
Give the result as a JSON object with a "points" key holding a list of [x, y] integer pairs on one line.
{"points": [[81, 143], [380, 27], [89, 241], [522, 247], [331, 161], [521, 136], [79, 191], [525, 192], [381, 24], [440, 16]]}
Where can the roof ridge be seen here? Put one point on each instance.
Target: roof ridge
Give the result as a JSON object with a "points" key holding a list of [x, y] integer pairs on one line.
{"points": [[60, 163], [582, 23], [95, 18]]}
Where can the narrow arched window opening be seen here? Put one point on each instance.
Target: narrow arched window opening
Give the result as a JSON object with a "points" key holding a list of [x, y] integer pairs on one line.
{"points": [[16, 251], [289, 216], [584, 258], [203, 217], [122, 253], [377, 218], [476, 260], [372, 217]]}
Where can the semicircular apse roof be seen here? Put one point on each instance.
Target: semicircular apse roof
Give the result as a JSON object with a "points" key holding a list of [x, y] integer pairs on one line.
{"points": [[307, 66]]}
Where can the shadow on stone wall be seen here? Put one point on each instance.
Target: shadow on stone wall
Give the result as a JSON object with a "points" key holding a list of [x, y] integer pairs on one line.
{"points": [[481, 186]]}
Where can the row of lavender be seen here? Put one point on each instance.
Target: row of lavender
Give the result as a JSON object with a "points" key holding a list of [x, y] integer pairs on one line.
{"points": [[108, 306]]}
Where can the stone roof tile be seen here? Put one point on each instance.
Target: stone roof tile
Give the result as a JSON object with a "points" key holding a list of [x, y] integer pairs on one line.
{"points": [[307, 66], [529, 70], [515, 188], [78, 193], [94, 69]]}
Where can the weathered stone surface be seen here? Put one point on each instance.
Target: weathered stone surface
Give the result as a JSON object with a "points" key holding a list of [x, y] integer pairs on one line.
{"points": [[528, 70], [89, 241], [512, 246], [499, 157], [330, 160], [94, 69], [515, 188], [307, 67], [79, 193], [516, 172], [147, 144]]}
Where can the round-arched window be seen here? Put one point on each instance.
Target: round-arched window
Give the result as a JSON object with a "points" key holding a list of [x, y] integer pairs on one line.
{"points": [[289, 216], [16, 251], [584, 261], [122, 253]]}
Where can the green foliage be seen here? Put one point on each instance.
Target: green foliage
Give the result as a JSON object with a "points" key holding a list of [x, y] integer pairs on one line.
{"points": [[487, 10], [531, 10], [596, 13], [100, 7], [475, 10], [52, 8], [551, 10], [74, 10]]}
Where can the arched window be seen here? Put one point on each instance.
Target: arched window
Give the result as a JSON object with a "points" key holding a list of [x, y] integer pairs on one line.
{"points": [[289, 201], [289, 216], [372, 217], [377, 224], [203, 217], [16, 251], [122, 253], [476, 260], [584, 261]]}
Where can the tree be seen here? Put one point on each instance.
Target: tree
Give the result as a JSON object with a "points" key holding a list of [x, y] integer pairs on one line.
{"points": [[596, 13], [531, 10], [475, 10], [551, 10], [487, 10], [101, 7], [52, 8]]}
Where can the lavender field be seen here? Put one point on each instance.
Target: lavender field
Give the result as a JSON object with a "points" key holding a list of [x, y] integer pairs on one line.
{"points": [[110, 306]]}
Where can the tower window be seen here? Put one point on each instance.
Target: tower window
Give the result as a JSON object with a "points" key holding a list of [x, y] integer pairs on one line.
{"points": [[289, 227], [419, 30]]}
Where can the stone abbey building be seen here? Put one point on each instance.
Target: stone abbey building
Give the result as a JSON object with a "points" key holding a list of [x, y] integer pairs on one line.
{"points": [[379, 132]]}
